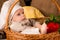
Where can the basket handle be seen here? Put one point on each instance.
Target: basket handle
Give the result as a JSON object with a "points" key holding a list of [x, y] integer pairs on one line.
{"points": [[9, 11], [57, 5]]}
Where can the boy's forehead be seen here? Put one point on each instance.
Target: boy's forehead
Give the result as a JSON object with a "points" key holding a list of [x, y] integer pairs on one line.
{"points": [[20, 9]]}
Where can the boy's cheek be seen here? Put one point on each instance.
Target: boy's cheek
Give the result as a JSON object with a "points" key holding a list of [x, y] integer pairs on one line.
{"points": [[15, 19], [18, 19]]}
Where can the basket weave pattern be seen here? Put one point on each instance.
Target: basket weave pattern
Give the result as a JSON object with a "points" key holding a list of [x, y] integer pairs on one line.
{"points": [[17, 36]]}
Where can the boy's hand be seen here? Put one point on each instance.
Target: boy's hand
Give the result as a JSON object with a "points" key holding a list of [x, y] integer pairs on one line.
{"points": [[44, 28], [38, 25]]}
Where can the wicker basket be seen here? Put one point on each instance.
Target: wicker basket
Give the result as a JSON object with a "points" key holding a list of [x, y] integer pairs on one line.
{"points": [[17, 36]]}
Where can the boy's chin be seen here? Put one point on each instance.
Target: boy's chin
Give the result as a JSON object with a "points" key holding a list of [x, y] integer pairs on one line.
{"points": [[20, 21]]}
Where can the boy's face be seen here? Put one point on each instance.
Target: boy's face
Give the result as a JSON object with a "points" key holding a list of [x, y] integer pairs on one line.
{"points": [[18, 16]]}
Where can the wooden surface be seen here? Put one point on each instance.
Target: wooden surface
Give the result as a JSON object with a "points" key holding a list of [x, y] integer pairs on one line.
{"points": [[1, 3], [47, 7]]}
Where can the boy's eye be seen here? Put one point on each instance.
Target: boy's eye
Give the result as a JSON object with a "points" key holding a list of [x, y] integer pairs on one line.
{"points": [[18, 14], [23, 13]]}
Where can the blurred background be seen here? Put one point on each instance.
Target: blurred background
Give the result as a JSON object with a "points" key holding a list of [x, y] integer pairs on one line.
{"points": [[47, 7]]}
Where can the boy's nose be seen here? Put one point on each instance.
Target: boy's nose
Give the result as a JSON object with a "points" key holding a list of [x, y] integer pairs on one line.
{"points": [[23, 17]]}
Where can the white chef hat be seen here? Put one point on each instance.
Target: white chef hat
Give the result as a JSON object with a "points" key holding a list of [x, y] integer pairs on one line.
{"points": [[4, 11], [6, 5]]}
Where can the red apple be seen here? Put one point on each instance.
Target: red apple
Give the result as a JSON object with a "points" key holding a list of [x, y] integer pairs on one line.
{"points": [[52, 26]]}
